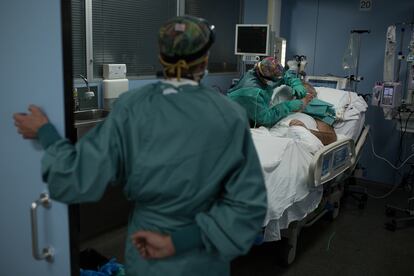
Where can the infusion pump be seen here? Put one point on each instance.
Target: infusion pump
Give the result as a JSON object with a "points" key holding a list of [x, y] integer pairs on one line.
{"points": [[387, 94]]}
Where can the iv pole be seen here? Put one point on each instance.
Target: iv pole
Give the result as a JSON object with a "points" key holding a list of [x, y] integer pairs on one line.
{"points": [[355, 78]]}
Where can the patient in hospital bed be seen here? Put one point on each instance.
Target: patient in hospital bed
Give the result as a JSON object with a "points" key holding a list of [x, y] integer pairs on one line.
{"points": [[322, 130], [287, 149]]}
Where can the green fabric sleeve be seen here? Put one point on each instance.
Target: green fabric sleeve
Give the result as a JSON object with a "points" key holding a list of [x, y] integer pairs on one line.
{"points": [[321, 110], [294, 105], [81, 172], [256, 102], [48, 135], [187, 238], [233, 222]]}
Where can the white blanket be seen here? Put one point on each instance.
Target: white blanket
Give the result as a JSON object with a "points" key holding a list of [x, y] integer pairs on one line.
{"points": [[348, 105], [285, 163], [286, 152]]}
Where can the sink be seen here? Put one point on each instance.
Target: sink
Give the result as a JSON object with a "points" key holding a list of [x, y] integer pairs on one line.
{"points": [[92, 114], [87, 119]]}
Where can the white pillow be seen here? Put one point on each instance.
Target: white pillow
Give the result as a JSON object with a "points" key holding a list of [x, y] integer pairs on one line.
{"points": [[338, 98]]}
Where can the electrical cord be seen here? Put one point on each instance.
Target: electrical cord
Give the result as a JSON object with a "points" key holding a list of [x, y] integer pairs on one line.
{"points": [[402, 132], [394, 188], [384, 159], [401, 136]]}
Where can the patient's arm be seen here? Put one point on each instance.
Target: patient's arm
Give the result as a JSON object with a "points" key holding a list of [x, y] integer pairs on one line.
{"points": [[325, 133], [296, 122]]}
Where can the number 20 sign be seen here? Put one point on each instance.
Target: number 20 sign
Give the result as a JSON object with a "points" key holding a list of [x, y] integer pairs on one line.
{"points": [[365, 5]]}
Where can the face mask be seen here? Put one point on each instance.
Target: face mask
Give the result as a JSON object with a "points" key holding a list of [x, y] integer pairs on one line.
{"points": [[205, 73]]}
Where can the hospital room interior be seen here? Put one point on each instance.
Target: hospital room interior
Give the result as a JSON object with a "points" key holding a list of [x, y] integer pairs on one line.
{"points": [[345, 207]]}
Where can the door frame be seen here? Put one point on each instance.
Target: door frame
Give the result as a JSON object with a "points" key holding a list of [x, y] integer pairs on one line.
{"points": [[73, 209]]}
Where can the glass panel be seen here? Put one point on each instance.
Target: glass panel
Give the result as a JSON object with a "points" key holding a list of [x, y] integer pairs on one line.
{"points": [[126, 32], [78, 38], [224, 15]]}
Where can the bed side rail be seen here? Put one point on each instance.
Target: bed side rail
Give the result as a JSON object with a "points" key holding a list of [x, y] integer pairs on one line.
{"points": [[360, 143], [331, 161]]}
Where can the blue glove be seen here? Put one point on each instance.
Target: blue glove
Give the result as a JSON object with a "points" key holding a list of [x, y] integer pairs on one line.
{"points": [[294, 105]]}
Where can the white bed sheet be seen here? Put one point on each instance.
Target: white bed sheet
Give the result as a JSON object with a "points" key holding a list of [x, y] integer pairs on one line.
{"points": [[351, 128], [286, 153], [295, 212], [285, 163]]}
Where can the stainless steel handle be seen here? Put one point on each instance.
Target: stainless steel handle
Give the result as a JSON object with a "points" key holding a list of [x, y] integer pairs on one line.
{"points": [[47, 252]]}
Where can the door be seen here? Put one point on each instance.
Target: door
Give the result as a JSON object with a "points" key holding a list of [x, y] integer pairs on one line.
{"points": [[31, 71]]}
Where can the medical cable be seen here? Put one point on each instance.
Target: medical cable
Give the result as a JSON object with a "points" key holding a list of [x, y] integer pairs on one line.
{"points": [[315, 35], [340, 120], [255, 111], [394, 188], [329, 241], [384, 159], [402, 132]]}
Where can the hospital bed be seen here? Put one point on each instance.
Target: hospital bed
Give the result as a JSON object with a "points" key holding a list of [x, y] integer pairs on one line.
{"points": [[304, 179]]}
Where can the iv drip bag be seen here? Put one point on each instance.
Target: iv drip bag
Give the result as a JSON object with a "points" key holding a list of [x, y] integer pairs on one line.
{"points": [[350, 59], [390, 52]]}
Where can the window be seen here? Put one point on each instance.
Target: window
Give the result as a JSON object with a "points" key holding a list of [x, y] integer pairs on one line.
{"points": [[126, 32], [78, 38], [224, 15]]}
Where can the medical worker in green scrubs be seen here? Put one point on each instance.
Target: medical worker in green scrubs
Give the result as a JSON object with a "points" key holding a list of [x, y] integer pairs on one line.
{"points": [[255, 89], [183, 154]]}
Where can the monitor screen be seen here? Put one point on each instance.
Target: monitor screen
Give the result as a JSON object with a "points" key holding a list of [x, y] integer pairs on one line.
{"points": [[328, 81], [252, 40], [388, 95], [323, 83]]}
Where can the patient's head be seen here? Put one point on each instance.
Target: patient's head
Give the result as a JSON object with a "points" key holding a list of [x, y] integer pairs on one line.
{"points": [[269, 68], [309, 88]]}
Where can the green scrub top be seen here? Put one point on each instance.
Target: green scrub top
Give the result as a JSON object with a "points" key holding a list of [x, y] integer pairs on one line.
{"points": [[185, 157], [255, 97]]}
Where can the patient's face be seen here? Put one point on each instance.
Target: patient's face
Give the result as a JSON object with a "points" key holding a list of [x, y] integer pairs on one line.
{"points": [[310, 89]]}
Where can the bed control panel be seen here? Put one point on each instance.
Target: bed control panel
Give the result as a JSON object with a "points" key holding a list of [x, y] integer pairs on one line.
{"points": [[331, 161]]}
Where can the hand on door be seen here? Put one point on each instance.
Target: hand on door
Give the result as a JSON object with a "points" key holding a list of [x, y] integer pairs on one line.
{"points": [[28, 124]]}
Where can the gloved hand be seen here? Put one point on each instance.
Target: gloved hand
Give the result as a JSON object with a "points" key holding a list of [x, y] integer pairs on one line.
{"points": [[299, 91], [297, 86], [294, 105]]}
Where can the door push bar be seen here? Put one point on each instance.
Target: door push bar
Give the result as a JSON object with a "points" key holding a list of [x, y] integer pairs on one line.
{"points": [[47, 252]]}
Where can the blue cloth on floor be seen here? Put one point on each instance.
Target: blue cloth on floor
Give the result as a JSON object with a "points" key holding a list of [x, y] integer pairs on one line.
{"points": [[259, 240], [112, 268]]}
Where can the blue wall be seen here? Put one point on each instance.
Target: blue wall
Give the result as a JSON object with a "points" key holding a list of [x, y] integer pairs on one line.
{"points": [[320, 30], [255, 12]]}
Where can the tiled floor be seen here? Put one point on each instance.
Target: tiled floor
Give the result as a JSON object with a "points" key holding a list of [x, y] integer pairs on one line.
{"points": [[356, 243], [110, 245]]}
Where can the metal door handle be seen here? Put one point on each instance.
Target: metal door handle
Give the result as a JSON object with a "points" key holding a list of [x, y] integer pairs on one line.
{"points": [[47, 252]]}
